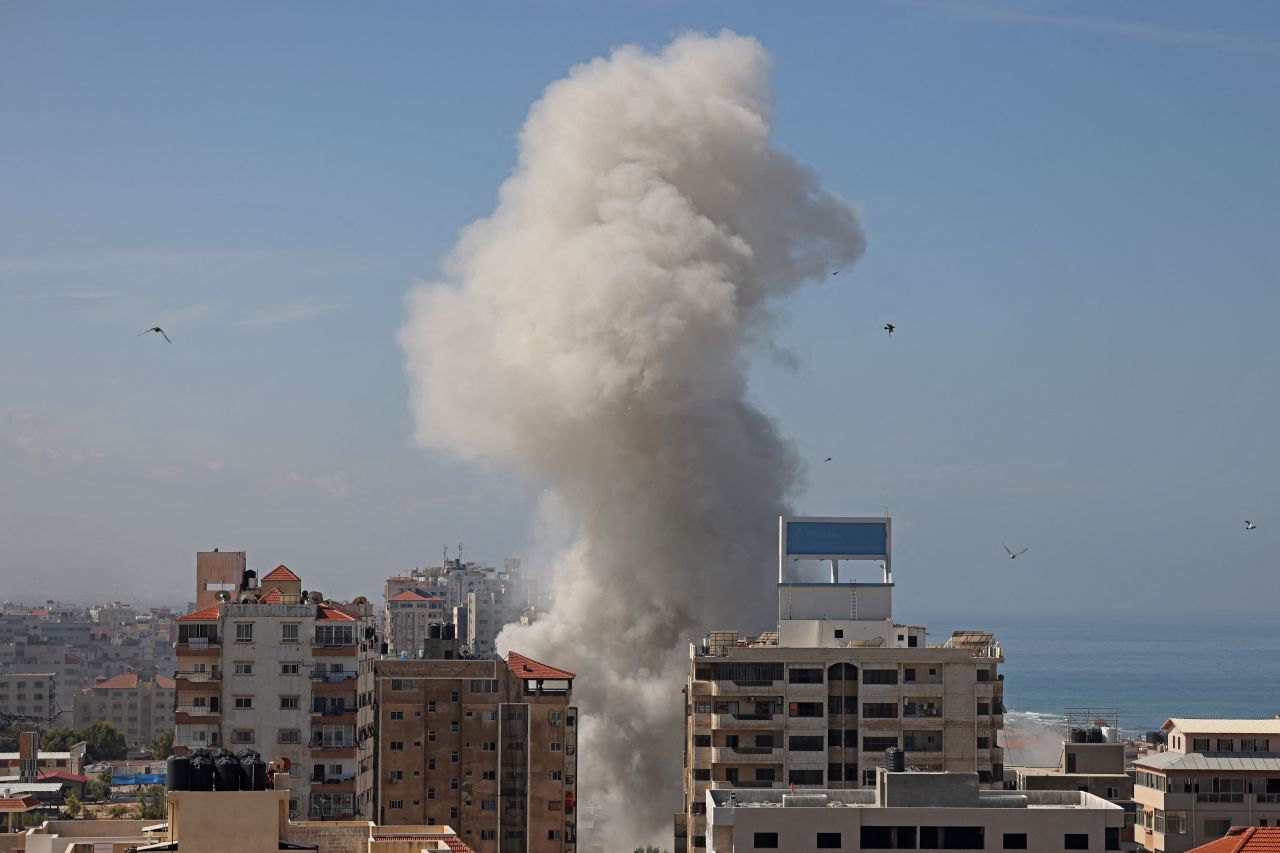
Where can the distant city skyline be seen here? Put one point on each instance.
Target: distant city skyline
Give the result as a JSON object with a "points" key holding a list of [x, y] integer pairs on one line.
{"points": [[1068, 212]]}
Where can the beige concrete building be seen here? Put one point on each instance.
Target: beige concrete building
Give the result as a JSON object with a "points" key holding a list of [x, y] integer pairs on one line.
{"points": [[407, 620], [289, 677], [485, 745], [29, 693], [1211, 775], [908, 811], [816, 703], [234, 822], [139, 708]]}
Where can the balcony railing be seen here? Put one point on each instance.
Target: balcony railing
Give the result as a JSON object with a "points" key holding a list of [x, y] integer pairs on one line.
{"points": [[1268, 798], [333, 744], [198, 675], [198, 644], [1219, 798], [332, 676], [334, 710], [330, 779], [196, 710]]}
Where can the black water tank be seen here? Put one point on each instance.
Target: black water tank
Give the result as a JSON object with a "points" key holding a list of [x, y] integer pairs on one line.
{"points": [[895, 760], [201, 771], [1078, 736], [226, 773], [433, 630], [178, 773], [1096, 736], [449, 631]]}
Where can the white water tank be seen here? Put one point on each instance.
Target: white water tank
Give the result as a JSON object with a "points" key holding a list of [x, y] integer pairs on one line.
{"points": [[1110, 734]]}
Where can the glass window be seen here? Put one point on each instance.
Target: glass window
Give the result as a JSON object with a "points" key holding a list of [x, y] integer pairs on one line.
{"points": [[244, 632], [828, 841], [765, 840], [1075, 841], [1015, 841]]}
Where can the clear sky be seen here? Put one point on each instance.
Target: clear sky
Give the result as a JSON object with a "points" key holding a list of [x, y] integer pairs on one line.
{"points": [[1071, 214]]}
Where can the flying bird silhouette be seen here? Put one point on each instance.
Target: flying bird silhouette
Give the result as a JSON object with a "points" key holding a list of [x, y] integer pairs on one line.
{"points": [[1012, 554], [1249, 525], [828, 459], [155, 329], [889, 327]]}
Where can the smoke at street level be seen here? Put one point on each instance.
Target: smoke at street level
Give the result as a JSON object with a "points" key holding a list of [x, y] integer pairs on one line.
{"points": [[594, 330]]}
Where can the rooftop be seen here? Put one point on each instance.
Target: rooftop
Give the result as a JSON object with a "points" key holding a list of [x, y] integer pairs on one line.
{"points": [[129, 681], [410, 595], [1244, 839], [1190, 725], [1176, 761], [281, 573], [524, 667]]}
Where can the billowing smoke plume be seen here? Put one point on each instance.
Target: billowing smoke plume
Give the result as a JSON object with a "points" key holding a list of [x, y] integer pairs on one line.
{"points": [[594, 330]]}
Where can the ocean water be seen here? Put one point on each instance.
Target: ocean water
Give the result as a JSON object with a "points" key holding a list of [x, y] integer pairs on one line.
{"points": [[1149, 667]]}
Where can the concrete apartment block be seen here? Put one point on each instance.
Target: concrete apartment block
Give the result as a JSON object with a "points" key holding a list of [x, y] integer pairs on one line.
{"points": [[816, 703], [1211, 775], [910, 811], [485, 745], [140, 708]]}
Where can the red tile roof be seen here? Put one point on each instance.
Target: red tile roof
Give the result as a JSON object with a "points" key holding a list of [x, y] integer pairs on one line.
{"points": [[325, 613], [63, 776], [272, 597], [281, 573], [167, 683], [124, 681], [1244, 839], [18, 804], [525, 667], [209, 614], [410, 595]]}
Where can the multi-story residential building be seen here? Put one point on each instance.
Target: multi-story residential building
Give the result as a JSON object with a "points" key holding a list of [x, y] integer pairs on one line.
{"points": [[908, 811], [487, 613], [407, 617], [142, 709], [1092, 759], [68, 665], [1210, 776], [461, 589], [289, 676], [485, 745], [816, 703], [28, 693]]}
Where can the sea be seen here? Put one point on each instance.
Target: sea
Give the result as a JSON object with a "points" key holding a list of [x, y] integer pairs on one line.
{"points": [[1146, 667]]}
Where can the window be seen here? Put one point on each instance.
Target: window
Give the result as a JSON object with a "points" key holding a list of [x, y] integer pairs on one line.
{"points": [[489, 746], [702, 774], [431, 793], [1255, 744], [806, 743], [453, 757], [453, 696], [431, 735], [484, 685], [702, 707], [878, 744], [553, 805], [401, 684], [453, 726], [1111, 838], [334, 635], [242, 736], [431, 707], [700, 741], [1226, 744], [395, 804], [804, 709], [431, 764], [454, 783], [289, 703], [244, 632], [289, 736], [828, 841], [1113, 793], [1075, 841], [395, 776], [1200, 744], [244, 701], [805, 675], [879, 676], [488, 775], [554, 718], [288, 669], [879, 710], [244, 669], [397, 745], [804, 777], [1015, 841], [766, 840], [1216, 828], [553, 835], [397, 715], [289, 632], [555, 746]]}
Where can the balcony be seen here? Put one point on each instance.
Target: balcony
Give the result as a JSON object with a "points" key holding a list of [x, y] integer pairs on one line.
{"points": [[746, 755], [743, 687], [194, 675], [742, 783], [198, 647], [746, 721], [331, 676], [333, 710], [334, 783], [1219, 798], [1268, 798], [196, 710]]}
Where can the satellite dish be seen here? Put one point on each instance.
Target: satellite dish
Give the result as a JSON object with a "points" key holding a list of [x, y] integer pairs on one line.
{"points": [[223, 596]]}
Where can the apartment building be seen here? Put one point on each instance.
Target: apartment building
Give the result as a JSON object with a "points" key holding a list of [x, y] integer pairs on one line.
{"points": [[908, 811], [290, 676], [1210, 775], [816, 703], [407, 616], [141, 708], [485, 745], [28, 693]]}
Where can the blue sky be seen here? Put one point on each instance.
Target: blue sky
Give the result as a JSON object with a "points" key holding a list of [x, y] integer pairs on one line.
{"points": [[1070, 212]]}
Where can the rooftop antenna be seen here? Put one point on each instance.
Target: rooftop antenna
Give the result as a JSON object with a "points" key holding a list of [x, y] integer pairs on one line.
{"points": [[459, 555]]}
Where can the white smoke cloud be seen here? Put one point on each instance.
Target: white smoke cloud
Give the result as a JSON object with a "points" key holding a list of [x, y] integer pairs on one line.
{"points": [[595, 331]]}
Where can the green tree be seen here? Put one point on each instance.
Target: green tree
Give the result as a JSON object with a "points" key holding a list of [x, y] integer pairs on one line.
{"points": [[151, 805], [73, 804], [118, 812], [60, 739], [162, 746], [106, 742], [31, 819], [99, 788]]}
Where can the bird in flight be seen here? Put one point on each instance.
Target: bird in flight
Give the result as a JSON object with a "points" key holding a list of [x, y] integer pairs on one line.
{"points": [[837, 272], [155, 329], [1013, 555], [889, 327], [1249, 525], [828, 459]]}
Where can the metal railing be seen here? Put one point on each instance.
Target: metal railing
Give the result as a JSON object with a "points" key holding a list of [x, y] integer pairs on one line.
{"points": [[333, 676], [196, 710], [198, 675], [333, 711]]}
